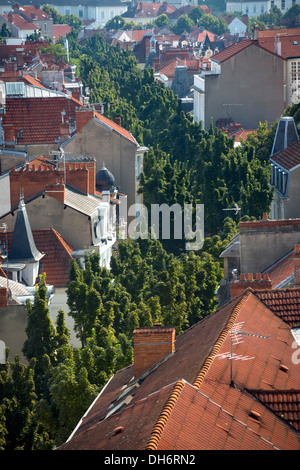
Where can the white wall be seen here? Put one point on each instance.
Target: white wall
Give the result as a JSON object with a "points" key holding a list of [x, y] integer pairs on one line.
{"points": [[4, 194]]}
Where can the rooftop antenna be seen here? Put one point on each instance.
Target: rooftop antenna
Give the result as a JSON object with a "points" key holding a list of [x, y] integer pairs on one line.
{"points": [[236, 208], [236, 338]]}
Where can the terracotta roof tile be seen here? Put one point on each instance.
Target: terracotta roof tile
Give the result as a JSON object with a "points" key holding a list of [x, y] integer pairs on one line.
{"points": [[232, 50], [22, 23], [289, 157], [194, 404], [281, 271], [39, 118], [115, 126], [285, 403], [285, 303], [56, 262], [60, 30], [289, 44]]}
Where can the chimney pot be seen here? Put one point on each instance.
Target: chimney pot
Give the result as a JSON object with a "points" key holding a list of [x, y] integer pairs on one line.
{"points": [[250, 276], [258, 277], [242, 277]]}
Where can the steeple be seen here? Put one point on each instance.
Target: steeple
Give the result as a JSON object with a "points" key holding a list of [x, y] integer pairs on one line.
{"points": [[22, 248]]}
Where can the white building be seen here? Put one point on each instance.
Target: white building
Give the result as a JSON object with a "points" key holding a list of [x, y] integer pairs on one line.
{"points": [[257, 7]]}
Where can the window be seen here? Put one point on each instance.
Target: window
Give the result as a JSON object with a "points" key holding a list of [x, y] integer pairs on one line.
{"points": [[247, 9], [138, 165], [80, 13], [112, 13], [45, 26], [67, 12], [295, 81], [282, 4], [254, 8], [102, 14], [272, 3], [262, 9]]}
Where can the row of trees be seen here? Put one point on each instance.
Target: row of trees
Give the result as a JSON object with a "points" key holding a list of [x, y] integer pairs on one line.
{"points": [[149, 281]]}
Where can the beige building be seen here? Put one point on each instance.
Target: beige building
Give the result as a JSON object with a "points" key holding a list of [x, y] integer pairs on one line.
{"points": [[110, 144]]}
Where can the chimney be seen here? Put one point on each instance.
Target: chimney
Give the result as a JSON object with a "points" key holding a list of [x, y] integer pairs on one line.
{"points": [[277, 46], [57, 191], [83, 116], [151, 345], [10, 17], [261, 282], [296, 258], [118, 121], [256, 32], [3, 297]]}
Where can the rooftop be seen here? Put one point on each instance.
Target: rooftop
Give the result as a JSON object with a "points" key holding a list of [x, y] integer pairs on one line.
{"points": [[20, 22], [289, 157], [57, 254], [188, 400]]}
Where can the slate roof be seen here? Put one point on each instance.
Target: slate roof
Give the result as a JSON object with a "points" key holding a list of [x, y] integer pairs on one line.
{"points": [[22, 246], [187, 402]]}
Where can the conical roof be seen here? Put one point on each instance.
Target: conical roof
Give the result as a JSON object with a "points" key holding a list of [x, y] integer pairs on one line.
{"points": [[104, 179], [23, 248]]}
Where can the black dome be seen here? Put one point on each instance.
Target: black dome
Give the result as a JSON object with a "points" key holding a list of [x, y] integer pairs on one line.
{"points": [[104, 179]]}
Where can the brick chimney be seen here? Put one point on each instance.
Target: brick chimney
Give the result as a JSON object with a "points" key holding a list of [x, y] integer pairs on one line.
{"points": [[57, 191], [83, 116], [259, 283], [151, 345], [296, 258], [3, 297]]}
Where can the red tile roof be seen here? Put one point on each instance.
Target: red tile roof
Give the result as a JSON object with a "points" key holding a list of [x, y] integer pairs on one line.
{"points": [[285, 403], [289, 157], [187, 401], [285, 303], [34, 13], [22, 23], [60, 30], [56, 262], [282, 270], [168, 68], [115, 126], [289, 45], [232, 50], [39, 118]]}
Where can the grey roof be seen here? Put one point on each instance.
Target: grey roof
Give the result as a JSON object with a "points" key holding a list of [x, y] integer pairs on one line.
{"points": [[286, 134], [16, 288], [233, 248], [84, 203], [22, 246]]}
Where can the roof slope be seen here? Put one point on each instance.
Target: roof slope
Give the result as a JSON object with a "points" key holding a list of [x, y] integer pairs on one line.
{"points": [[188, 401], [40, 119], [289, 157], [56, 261]]}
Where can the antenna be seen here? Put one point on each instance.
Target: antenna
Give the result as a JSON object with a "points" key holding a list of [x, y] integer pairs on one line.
{"points": [[236, 208], [235, 338]]}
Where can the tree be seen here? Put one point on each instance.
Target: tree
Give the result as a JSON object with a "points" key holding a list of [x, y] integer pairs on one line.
{"points": [[184, 23], [116, 23], [39, 329], [162, 21]]}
